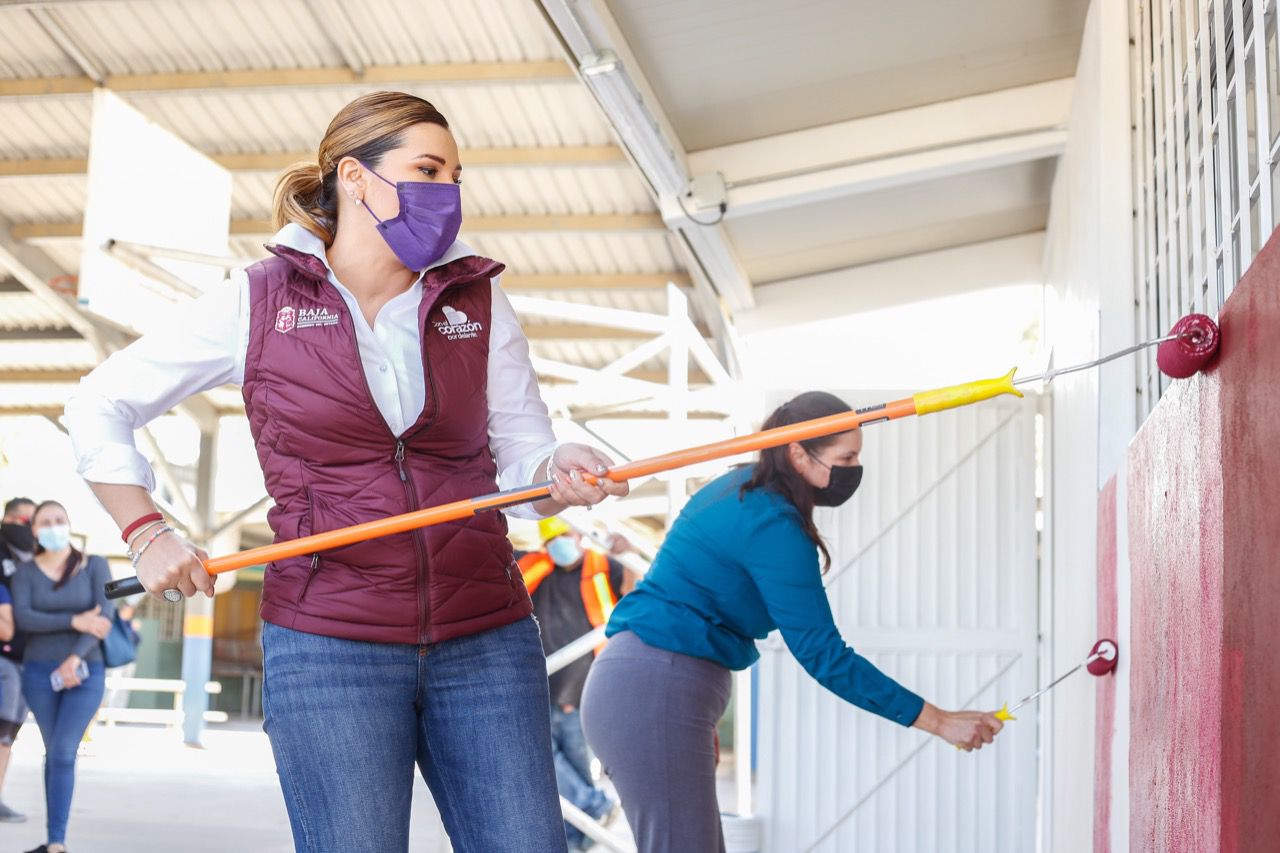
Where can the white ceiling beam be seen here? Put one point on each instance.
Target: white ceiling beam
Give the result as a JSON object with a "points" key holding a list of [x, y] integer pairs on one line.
{"points": [[612, 73], [892, 149], [274, 161], [614, 318], [35, 270], [814, 187], [599, 222], [1041, 106], [594, 281], [178, 81]]}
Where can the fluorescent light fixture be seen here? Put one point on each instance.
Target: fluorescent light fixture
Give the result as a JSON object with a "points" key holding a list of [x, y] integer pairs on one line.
{"points": [[636, 126]]}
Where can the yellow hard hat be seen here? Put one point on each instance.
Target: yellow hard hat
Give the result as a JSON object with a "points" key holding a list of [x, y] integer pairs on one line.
{"points": [[550, 528]]}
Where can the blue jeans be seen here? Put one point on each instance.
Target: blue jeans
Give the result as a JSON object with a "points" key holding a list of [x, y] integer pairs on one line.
{"points": [[62, 716], [347, 721], [573, 771]]}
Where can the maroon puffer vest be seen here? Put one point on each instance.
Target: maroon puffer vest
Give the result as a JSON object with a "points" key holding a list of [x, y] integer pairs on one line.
{"points": [[330, 460]]}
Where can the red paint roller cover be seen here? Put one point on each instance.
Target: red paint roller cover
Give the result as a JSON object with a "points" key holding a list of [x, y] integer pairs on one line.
{"points": [[1103, 657], [1194, 347]]}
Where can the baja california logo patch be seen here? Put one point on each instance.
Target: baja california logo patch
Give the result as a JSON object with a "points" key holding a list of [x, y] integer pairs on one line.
{"points": [[457, 325], [309, 317], [286, 319]]}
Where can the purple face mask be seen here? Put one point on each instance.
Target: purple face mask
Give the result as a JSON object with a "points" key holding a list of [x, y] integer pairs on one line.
{"points": [[428, 222]]}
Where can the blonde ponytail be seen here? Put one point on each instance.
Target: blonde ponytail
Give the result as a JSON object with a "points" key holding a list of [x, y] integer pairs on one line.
{"points": [[300, 197]]}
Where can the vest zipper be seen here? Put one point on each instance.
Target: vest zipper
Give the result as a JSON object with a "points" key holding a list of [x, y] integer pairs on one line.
{"points": [[424, 571], [420, 551], [311, 575], [424, 592]]}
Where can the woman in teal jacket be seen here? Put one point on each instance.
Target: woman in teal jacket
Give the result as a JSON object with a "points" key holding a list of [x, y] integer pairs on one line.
{"points": [[740, 561]]}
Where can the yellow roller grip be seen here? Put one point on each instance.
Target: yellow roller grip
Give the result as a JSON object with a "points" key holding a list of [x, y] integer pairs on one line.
{"points": [[962, 395], [1004, 715]]}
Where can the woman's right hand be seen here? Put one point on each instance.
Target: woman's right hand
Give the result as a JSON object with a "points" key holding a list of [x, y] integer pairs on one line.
{"points": [[92, 622], [968, 730], [171, 562]]}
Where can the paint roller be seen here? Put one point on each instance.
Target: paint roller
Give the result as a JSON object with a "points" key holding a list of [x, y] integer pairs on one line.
{"points": [[1186, 349], [1102, 659]]}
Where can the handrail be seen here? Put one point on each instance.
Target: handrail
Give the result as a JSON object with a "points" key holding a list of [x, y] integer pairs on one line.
{"points": [[593, 830], [567, 654]]}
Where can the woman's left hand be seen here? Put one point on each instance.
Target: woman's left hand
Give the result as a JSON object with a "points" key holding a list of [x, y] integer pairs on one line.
{"points": [[566, 468], [68, 672]]}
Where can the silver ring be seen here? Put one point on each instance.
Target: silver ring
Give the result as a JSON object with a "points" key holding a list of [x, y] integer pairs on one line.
{"points": [[172, 595]]}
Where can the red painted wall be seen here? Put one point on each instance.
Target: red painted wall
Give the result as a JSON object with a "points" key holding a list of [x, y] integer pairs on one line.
{"points": [[1204, 542], [1105, 703]]}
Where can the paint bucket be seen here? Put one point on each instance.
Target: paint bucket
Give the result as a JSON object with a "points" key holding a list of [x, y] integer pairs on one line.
{"points": [[741, 834]]}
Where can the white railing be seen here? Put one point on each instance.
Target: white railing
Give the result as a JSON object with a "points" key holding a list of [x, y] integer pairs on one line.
{"points": [[158, 716]]}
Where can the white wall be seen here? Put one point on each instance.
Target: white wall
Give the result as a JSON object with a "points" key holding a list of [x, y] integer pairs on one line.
{"points": [[933, 579], [917, 322], [1089, 309]]}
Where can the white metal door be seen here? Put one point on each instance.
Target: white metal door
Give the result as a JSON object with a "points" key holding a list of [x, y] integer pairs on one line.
{"points": [[933, 578]]}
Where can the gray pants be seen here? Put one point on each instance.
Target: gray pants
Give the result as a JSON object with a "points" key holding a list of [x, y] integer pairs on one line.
{"points": [[650, 717], [13, 708]]}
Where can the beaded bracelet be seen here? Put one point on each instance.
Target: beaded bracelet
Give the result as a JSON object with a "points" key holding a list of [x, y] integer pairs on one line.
{"points": [[137, 534], [135, 556]]}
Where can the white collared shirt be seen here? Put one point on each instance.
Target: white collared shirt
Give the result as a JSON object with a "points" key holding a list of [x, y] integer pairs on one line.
{"points": [[206, 344]]}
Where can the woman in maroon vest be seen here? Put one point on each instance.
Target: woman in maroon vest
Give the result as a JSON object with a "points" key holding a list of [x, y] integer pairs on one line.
{"points": [[383, 371]]}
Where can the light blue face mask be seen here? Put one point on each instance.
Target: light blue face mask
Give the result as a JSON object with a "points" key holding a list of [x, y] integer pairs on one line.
{"points": [[564, 551], [56, 537]]}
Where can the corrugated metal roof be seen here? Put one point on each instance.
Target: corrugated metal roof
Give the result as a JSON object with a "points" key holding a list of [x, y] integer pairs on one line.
{"points": [[137, 37], [191, 35], [63, 253], [152, 37], [226, 121], [45, 127], [24, 395], [496, 190], [579, 252], [650, 301], [412, 31], [26, 49], [47, 355], [25, 311], [47, 198], [553, 190]]}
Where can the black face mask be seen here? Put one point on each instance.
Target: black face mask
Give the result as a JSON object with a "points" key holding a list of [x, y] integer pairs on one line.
{"points": [[19, 536], [844, 481]]}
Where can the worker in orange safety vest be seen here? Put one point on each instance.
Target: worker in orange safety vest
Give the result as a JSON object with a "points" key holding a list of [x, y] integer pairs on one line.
{"points": [[574, 589]]}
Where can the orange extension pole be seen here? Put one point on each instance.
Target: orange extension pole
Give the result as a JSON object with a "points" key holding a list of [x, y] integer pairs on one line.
{"points": [[919, 404]]}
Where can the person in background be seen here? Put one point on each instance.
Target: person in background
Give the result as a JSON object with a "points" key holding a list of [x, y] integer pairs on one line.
{"points": [[741, 560], [574, 590], [17, 546], [60, 603]]}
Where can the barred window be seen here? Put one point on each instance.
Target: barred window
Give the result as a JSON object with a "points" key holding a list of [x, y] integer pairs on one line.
{"points": [[1206, 106]]}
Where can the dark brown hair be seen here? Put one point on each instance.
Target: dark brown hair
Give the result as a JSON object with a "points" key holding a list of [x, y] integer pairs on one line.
{"points": [[73, 559], [774, 470], [366, 128]]}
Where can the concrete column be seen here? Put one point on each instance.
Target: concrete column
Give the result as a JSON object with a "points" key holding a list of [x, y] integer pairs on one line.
{"points": [[197, 626]]}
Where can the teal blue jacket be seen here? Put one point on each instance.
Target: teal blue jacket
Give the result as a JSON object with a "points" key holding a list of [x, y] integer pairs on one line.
{"points": [[732, 569]]}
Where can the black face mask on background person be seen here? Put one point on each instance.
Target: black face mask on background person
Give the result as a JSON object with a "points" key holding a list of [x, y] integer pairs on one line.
{"points": [[844, 481], [18, 536]]}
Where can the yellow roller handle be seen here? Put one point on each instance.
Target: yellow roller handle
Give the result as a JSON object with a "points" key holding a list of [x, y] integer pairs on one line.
{"points": [[955, 396], [1002, 715]]}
